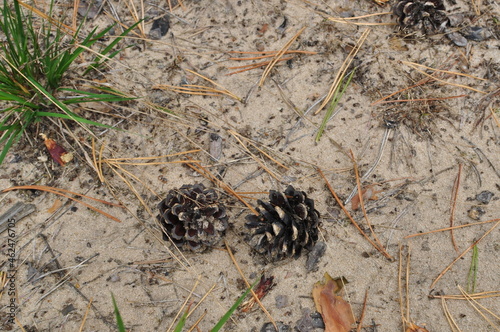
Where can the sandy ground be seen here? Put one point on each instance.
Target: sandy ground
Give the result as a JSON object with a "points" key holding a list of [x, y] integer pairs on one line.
{"points": [[68, 256]]}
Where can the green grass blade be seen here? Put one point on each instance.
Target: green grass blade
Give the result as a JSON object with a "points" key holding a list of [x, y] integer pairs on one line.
{"points": [[339, 91], [182, 321], [472, 276], [101, 59], [228, 314], [119, 320]]}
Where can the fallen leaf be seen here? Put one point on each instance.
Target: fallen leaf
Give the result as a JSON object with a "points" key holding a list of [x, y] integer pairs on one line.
{"points": [[57, 204], [415, 328], [57, 152], [261, 290], [336, 312]]}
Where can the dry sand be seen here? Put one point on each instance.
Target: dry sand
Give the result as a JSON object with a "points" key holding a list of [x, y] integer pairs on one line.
{"points": [[415, 176]]}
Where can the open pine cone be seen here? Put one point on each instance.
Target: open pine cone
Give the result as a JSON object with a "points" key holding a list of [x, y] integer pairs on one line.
{"points": [[192, 217], [288, 224], [427, 14]]}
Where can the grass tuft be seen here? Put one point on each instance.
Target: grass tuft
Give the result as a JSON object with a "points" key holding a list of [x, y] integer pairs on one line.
{"points": [[34, 64]]}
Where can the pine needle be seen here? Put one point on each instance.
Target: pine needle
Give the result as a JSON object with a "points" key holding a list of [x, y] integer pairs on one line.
{"points": [[278, 56], [343, 69]]}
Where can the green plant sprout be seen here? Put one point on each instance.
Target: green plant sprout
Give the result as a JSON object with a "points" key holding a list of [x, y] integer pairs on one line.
{"points": [[339, 91], [33, 65]]}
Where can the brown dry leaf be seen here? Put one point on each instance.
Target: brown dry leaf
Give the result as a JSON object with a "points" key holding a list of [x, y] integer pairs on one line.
{"points": [[415, 328], [336, 312], [57, 204], [57, 152]]}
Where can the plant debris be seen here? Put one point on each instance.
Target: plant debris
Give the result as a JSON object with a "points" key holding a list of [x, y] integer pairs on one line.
{"points": [[260, 290], [288, 224], [57, 152], [192, 217], [336, 312]]}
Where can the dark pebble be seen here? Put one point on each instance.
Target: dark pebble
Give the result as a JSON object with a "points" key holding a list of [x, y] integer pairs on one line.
{"points": [[67, 309], [484, 197], [475, 33], [160, 28], [269, 327]]}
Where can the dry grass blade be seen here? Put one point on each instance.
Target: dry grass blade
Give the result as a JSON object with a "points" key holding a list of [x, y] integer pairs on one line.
{"points": [[475, 296], [463, 253], [239, 138], [454, 195], [217, 85], [133, 12], [46, 17], [84, 319], [207, 174], [343, 69], [181, 309], [339, 202], [270, 54], [419, 99], [254, 66], [478, 308], [256, 298], [453, 325], [349, 20], [450, 228], [199, 89], [278, 56], [360, 195], [61, 192], [152, 158], [415, 66]]}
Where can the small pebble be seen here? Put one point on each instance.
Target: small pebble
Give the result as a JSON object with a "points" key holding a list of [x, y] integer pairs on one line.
{"points": [[476, 33], [484, 197], [457, 39], [317, 320], [67, 309], [476, 212], [269, 327], [305, 323], [160, 28], [314, 256]]}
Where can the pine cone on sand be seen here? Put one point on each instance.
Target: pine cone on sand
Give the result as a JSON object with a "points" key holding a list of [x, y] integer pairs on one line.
{"points": [[193, 217], [285, 226], [427, 14]]}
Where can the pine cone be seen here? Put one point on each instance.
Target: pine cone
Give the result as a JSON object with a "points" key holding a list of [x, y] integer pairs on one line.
{"points": [[287, 224], [192, 217], [427, 14]]}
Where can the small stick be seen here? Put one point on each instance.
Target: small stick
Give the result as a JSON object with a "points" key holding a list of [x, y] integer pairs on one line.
{"points": [[339, 202], [84, 319], [360, 324], [463, 253], [454, 194], [360, 195]]}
